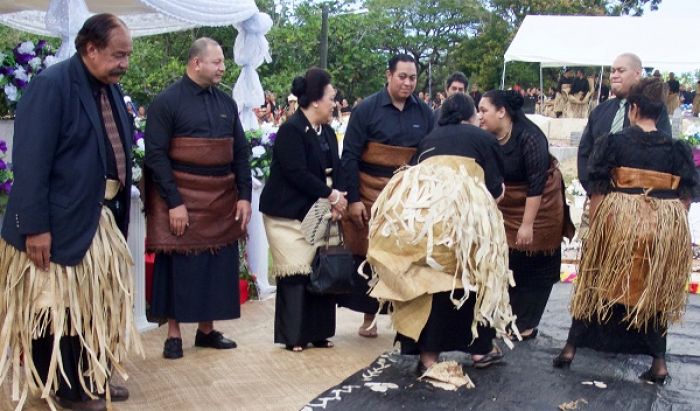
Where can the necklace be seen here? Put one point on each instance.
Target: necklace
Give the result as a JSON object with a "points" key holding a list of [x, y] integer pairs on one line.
{"points": [[505, 138]]}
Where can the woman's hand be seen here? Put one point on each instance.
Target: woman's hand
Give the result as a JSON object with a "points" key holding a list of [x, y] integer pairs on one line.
{"points": [[524, 237], [338, 201]]}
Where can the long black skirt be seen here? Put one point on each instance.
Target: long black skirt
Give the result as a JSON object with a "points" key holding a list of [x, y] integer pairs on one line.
{"points": [[302, 317], [534, 276], [196, 287], [359, 300], [449, 329], [613, 336]]}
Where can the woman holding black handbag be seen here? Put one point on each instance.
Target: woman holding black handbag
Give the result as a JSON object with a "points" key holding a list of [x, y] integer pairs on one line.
{"points": [[305, 169]]}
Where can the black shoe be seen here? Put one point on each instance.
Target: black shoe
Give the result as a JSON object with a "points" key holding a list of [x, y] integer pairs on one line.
{"points": [[172, 348], [648, 375], [421, 368], [213, 340], [561, 362], [118, 393], [89, 405]]}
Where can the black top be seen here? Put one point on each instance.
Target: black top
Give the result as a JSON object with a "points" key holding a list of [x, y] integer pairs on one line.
{"points": [[187, 110], [674, 86], [599, 123], [580, 84], [526, 157], [297, 173], [468, 141], [95, 87], [377, 119], [635, 148], [604, 92]]}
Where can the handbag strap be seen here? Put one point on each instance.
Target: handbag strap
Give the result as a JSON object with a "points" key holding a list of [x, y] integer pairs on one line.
{"points": [[328, 233]]}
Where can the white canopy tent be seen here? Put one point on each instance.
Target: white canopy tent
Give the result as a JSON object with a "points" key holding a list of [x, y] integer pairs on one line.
{"points": [[555, 41], [63, 19]]}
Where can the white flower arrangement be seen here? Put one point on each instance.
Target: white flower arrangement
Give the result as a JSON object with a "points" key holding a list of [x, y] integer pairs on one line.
{"points": [[27, 47], [575, 188]]}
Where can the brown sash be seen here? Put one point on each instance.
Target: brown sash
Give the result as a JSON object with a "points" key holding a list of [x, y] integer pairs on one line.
{"points": [[210, 199], [626, 177], [552, 222], [374, 154]]}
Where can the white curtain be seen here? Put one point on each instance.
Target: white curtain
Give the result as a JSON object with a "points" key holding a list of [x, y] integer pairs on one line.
{"points": [[64, 18]]}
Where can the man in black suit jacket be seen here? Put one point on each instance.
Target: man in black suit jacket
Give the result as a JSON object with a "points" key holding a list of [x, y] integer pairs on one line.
{"points": [[66, 221], [625, 72]]}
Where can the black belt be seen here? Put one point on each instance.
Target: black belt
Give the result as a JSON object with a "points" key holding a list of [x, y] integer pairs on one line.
{"points": [[216, 171], [377, 170], [656, 193]]}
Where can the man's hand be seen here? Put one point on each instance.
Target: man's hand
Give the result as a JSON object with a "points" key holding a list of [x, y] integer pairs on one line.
{"points": [[358, 214], [243, 213], [179, 220], [39, 250]]}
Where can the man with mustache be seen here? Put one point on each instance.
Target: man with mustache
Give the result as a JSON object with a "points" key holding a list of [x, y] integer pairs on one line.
{"points": [[382, 135], [197, 200], [66, 288]]}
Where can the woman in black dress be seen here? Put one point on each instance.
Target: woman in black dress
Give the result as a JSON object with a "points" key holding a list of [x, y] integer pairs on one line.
{"points": [[305, 168], [637, 256], [533, 207]]}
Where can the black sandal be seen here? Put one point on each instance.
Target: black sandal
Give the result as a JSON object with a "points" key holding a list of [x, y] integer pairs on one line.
{"points": [[561, 362], [323, 344], [649, 376], [489, 359]]}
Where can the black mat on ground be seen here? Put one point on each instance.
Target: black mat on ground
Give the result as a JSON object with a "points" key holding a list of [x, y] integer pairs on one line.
{"points": [[527, 380]]}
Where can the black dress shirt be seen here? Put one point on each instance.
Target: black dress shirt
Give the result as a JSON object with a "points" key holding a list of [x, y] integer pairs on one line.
{"points": [[599, 123], [467, 140], [377, 119], [187, 110]]}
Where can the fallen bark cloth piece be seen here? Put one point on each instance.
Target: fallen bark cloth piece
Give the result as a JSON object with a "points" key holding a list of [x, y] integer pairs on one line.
{"points": [[572, 405], [447, 375]]}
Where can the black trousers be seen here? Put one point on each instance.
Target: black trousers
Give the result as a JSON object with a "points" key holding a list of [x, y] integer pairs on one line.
{"points": [[70, 357]]}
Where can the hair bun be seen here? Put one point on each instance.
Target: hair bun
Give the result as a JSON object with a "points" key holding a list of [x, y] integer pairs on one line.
{"points": [[299, 86], [514, 99]]}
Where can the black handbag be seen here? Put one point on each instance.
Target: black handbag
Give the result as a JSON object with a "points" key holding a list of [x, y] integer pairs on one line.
{"points": [[333, 267]]}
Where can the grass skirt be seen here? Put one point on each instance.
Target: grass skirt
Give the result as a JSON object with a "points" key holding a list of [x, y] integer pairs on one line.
{"points": [[637, 254], [92, 300]]}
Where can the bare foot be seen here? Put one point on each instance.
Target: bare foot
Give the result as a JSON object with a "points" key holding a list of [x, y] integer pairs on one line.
{"points": [[367, 332]]}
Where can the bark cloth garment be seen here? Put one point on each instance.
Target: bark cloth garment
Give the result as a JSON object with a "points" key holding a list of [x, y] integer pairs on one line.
{"points": [[378, 164], [92, 300], [436, 228], [552, 221], [637, 254], [207, 185]]}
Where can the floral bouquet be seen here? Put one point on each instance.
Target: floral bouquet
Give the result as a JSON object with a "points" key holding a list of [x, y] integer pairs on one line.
{"points": [[138, 149], [261, 142], [18, 67], [692, 137], [575, 189], [6, 178]]}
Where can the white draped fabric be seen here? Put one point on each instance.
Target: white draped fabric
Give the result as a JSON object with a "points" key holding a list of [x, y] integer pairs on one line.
{"points": [[63, 19]]}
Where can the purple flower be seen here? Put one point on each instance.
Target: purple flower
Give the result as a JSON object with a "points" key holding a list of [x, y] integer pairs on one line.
{"points": [[272, 138], [3, 166], [3, 146], [40, 45], [138, 135], [6, 186], [7, 70], [21, 84], [22, 58]]}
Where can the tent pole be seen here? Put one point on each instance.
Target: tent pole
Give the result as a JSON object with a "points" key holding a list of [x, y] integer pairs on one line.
{"points": [[600, 83], [503, 78], [541, 90]]}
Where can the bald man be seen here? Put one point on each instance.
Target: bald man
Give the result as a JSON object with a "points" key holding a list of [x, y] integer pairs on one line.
{"points": [[612, 115], [197, 200]]}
